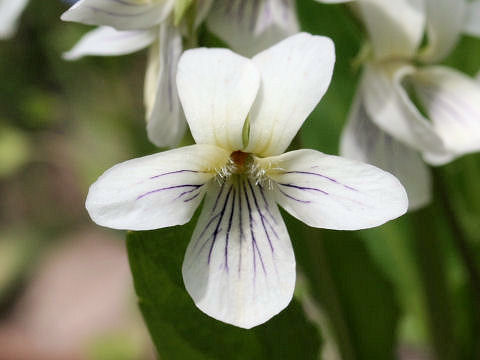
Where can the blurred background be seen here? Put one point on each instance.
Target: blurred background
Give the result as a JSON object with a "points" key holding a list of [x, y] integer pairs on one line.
{"points": [[65, 285]]}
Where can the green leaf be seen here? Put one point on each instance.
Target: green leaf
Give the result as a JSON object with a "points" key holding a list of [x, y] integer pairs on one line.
{"points": [[181, 331], [354, 294]]}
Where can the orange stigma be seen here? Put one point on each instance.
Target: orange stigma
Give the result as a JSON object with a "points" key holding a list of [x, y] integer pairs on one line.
{"points": [[239, 158]]}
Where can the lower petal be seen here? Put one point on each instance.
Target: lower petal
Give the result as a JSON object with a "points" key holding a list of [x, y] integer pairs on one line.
{"points": [[335, 193], [362, 140], [239, 267], [154, 191]]}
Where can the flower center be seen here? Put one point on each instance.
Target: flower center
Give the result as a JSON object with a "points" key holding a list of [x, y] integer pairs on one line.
{"points": [[240, 161], [242, 165]]}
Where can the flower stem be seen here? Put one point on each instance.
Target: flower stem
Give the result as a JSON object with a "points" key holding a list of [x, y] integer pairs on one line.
{"points": [[460, 242], [459, 238]]}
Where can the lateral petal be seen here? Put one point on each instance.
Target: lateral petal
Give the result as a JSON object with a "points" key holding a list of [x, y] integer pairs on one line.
{"points": [[217, 88], [165, 119], [445, 22], [154, 191], [239, 267], [332, 192], [390, 108], [452, 101], [250, 26], [106, 41], [120, 14], [295, 75], [363, 141]]}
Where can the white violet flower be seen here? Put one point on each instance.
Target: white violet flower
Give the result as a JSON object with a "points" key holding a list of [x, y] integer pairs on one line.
{"points": [[239, 266], [407, 112], [131, 25]]}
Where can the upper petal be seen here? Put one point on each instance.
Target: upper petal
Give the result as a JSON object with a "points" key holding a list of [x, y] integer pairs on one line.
{"points": [[362, 140], [239, 266], [120, 14], [10, 11], [452, 102], [154, 191], [295, 75], [445, 22], [395, 27], [165, 119], [335, 193], [250, 26], [217, 88], [106, 41]]}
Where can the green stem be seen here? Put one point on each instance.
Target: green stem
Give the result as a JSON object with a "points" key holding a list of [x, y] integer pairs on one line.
{"points": [[459, 238]]}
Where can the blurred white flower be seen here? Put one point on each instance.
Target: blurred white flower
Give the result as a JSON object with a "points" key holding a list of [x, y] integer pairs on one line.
{"points": [[250, 26], [10, 11], [407, 111], [131, 25], [239, 266]]}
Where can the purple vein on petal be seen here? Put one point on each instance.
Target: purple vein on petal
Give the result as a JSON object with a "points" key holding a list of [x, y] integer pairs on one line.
{"points": [[174, 172], [210, 222], [218, 198], [217, 228], [267, 206], [195, 186], [303, 188], [227, 236], [322, 176], [242, 235], [262, 217], [293, 198], [252, 234]]}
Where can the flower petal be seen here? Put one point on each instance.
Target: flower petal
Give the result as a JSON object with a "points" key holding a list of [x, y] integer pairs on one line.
{"points": [[445, 21], [154, 191], [10, 11], [472, 24], [395, 27], [165, 120], [250, 26], [363, 141], [390, 108], [120, 14], [106, 41], [335, 193], [239, 267], [295, 75], [452, 102], [217, 88]]}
